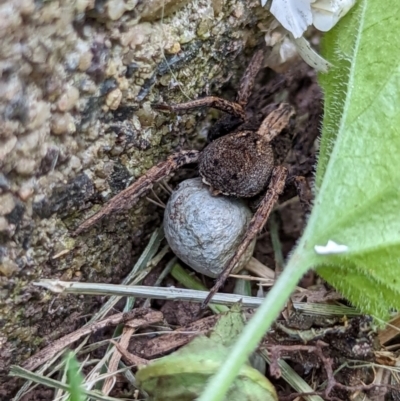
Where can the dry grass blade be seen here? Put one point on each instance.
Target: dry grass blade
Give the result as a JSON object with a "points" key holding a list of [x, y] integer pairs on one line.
{"points": [[26, 374], [131, 359], [324, 309], [145, 259], [127, 332], [165, 293], [155, 347], [167, 270], [139, 318], [259, 269], [292, 378], [116, 356], [391, 330]]}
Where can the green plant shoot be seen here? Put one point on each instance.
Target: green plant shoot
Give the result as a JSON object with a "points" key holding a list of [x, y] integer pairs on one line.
{"points": [[74, 378]]}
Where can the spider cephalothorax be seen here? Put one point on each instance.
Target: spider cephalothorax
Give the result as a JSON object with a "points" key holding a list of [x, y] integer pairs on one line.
{"points": [[239, 163]]}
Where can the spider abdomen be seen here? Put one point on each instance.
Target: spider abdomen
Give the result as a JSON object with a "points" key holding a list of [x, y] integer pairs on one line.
{"points": [[239, 164]]}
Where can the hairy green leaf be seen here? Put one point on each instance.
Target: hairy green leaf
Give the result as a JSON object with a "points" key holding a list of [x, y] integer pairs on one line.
{"points": [[358, 175]]}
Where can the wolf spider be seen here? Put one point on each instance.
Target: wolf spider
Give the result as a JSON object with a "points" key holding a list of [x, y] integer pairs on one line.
{"points": [[238, 161]]}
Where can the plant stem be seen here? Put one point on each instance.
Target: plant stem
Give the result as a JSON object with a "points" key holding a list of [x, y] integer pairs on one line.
{"points": [[258, 326]]}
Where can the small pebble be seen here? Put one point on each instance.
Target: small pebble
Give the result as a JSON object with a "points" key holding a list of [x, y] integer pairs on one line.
{"points": [[113, 99], [115, 9], [7, 204], [69, 99], [7, 146], [62, 123], [25, 192], [8, 267], [25, 166]]}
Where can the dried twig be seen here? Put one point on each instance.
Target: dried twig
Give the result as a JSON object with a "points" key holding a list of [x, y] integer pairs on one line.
{"points": [[276, 350]]}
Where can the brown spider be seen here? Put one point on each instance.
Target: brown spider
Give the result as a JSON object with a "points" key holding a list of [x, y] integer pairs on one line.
{"points": [[239, 163]]}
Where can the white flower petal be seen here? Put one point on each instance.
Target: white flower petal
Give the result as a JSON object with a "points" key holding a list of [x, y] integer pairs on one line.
{"points": [[310, 56], [331, 248], [294, 15], [326, 13]]}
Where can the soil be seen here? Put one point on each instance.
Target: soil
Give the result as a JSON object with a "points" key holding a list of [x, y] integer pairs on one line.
{"points": [[298, 87]]}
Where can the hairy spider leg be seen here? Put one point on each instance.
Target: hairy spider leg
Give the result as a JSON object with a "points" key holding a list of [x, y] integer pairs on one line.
{"points": [[125, 199], [249, 78], [227, 124], [275, 188], [276, 121], [232, 108]]}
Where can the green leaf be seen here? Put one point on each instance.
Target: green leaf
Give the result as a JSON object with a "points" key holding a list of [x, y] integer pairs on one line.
{"points": [[228, 327], [74, 378], [182, 375], [358, 174]]}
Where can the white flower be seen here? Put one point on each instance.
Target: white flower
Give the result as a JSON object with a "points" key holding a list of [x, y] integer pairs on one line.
{"points": [[327, 13], [295, 16]]}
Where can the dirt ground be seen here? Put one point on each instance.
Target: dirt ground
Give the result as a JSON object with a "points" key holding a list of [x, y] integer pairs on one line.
{"points": [[337, 340]]}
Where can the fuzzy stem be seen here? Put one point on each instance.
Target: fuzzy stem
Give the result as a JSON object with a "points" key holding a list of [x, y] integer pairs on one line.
{"points": [[257, 327]]}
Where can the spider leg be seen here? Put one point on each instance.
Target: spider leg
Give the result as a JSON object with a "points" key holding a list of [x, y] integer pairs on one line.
{"points": [[125, 199], [249, 77], [232, 108], [275, 188], [276, 121], [236, 110], [228, 124], [223, 126]]}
